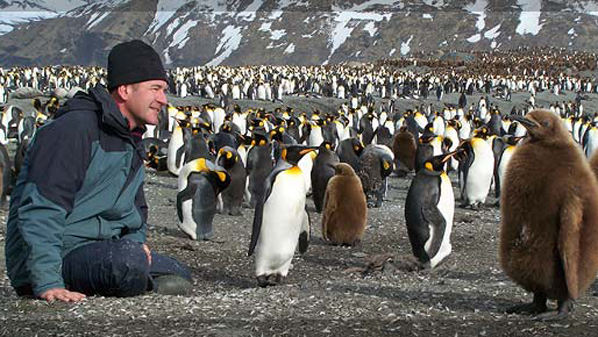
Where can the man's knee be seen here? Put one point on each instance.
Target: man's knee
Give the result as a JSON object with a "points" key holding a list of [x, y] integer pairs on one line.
{"points": [[130, 270]]}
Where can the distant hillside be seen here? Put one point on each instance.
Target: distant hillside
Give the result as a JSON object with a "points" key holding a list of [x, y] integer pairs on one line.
{"points": [[39, 32]]}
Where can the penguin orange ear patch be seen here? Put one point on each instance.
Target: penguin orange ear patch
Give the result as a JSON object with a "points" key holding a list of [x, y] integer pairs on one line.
{"points": [[229, 155], [429, 166], [221, 176], [386, 165]]}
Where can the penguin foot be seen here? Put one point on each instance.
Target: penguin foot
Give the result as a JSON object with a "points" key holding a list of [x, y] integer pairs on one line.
{"points": [[269, 280], [537, 306], [563, 310], [527, 308]]}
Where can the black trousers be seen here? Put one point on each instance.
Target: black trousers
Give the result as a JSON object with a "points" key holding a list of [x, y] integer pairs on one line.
{"points": [[116, 268]]}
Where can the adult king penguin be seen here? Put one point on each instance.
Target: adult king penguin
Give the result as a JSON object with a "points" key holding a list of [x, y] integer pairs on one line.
{"points": [[199, 183], [429, 210], [232, 197], [280, 220], [549, 208]]}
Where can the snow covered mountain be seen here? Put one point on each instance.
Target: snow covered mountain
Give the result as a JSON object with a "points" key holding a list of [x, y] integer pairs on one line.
{"points": [[235, 32]]}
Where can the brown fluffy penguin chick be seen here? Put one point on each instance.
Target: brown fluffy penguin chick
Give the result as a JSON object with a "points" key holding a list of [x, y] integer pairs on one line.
{"points": [[404, 147], [345, 210], [594, 163], [549, 225]]}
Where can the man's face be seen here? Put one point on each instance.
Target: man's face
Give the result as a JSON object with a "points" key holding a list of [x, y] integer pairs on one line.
{"points": [[145, 100]]}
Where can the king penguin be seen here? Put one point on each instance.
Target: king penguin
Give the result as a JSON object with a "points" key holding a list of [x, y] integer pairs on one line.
{"points": [[476, 169], [429, 210], [549, 217], [199, 183], [232, 196], [280, 220], [321, 173]]}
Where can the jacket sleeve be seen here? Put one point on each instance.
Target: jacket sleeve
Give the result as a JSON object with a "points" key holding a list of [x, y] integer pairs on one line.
{"points": [[56, 164], [139, 235]]}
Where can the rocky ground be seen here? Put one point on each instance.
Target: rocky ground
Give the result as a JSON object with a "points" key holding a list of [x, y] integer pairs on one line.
{"points": [[324, 294]]}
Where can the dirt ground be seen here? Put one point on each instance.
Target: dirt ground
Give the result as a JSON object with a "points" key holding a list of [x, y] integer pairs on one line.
{"points": [[323, 294]]}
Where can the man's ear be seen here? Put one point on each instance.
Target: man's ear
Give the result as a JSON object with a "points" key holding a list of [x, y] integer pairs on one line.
{"points": [[123, 91]]}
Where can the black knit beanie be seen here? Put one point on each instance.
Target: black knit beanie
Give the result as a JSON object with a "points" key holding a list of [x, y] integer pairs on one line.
{"points": [[133, 62]]}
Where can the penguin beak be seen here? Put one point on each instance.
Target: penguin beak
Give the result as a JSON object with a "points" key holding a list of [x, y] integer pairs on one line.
{"points": [[305, 151], [451, 154], [524, 121]]}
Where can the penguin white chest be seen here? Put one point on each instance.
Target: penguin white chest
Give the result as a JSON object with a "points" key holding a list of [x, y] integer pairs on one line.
{"points": [[479, 176], [283, 217], [446, 206]]}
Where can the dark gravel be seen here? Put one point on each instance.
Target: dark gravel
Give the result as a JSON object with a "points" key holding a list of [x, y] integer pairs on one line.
{"points": [[324, 295]]}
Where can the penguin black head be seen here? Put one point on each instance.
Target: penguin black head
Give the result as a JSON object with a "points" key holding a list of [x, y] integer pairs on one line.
{"points": [[293, 153], [259, 139], [276, 133], [227, 157], [326, 145], [482, 132], [543, 125], [436, 163], [357, 146], [217, 175]]}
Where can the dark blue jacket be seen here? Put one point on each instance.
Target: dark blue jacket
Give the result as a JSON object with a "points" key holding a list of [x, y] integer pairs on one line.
{"points": [[81, 182]]}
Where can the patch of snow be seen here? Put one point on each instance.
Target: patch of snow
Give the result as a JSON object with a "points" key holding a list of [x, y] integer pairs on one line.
{"points": [[364, 6], [492, 33], [277, 34], [586, 7], [230, 41], [94, 22], [435, 3], [529, 19], [392, 51], [11, 18], [290, 49], [265, 27], [370, 27], [165, 10], [180, 38], [493, 44], [342, 30], [474, 38], [405, 49], [479, 9], [427, 16]]}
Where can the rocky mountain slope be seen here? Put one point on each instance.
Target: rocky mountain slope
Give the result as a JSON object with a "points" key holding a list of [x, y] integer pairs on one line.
{"points": [[237, 32]]}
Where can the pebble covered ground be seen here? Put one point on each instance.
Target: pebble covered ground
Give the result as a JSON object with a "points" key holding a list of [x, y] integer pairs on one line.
{"points": [[325, 294]]}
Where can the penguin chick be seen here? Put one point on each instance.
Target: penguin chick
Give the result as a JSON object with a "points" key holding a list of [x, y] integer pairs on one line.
{"points": [[345, 209], [549, 225]]}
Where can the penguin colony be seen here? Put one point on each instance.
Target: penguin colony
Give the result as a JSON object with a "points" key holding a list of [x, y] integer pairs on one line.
{"points": [[227, 158]]}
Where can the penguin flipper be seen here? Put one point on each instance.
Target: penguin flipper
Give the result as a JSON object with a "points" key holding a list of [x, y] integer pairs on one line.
{"points": [[568, 242], [258, 216], [182, 196], [179, 156], [433, 217], [305, 233]]}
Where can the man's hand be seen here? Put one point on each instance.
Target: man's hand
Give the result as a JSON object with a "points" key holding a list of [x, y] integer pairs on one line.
{"points": [[147, 251], [61, 294]]}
